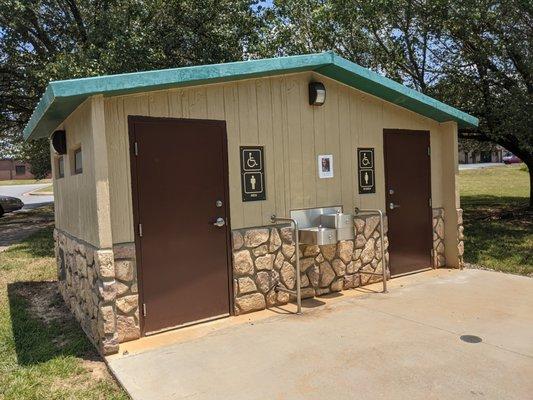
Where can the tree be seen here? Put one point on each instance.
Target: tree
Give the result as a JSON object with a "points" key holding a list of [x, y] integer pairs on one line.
{"points": [[43, 40], [475, 55], [393, 37], [489, 72]]}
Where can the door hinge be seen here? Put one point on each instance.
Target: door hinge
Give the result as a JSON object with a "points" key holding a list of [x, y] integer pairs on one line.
{"points": [[430, 202], [144, 309], [136, 148], [429, 151], [141, 230]]}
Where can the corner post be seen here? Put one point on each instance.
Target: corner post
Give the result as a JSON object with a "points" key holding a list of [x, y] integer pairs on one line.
{"points": [[101, 173], [450, 191]]}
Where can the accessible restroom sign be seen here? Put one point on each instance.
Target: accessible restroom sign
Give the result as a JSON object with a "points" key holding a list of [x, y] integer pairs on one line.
{"points": [[366, 170], [252, 173]]}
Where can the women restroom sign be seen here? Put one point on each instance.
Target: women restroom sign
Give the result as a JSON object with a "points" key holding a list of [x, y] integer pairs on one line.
{"points": [[366, 169], [252, 173]]}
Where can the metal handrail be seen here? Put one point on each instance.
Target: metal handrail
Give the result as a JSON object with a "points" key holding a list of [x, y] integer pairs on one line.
{"points": [[357, 210], [298, 291]]}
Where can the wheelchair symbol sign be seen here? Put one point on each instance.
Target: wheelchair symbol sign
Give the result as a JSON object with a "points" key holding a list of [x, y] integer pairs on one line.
{"points": [[252, 159], [251, 162], [252, 173], [366, 159], [367, 173]]}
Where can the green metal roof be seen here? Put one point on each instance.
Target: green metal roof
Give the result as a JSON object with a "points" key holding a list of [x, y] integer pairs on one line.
{"points": [[62, 97]]}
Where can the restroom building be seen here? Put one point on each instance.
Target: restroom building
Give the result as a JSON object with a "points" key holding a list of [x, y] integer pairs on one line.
{"points": [[165, 183]]}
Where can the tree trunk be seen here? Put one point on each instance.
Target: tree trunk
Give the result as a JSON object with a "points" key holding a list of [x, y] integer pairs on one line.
{"points": [[530, 167], [528, 160]]}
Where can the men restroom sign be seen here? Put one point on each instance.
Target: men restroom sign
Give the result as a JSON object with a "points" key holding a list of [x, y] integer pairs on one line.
{"points": [[367, 172], [252, 173]]}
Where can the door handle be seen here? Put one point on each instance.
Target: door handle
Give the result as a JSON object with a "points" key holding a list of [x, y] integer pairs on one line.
{"points": [[219, 222], [392, 206]]}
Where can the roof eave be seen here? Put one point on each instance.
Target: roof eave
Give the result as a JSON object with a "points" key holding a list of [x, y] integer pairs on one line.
{"points": [[61, 98], [371, 82], [69, 94]]}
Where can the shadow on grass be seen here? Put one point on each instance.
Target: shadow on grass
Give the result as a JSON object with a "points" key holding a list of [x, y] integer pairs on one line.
{"points": [[498, 233], [39, 212], [40, 244], [497, 208], [43, 327], [34, 241], [494, 201]]}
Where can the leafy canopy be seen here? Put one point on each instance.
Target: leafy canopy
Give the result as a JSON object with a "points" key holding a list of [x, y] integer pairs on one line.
{"points": [[473, 54], [43, 40]]}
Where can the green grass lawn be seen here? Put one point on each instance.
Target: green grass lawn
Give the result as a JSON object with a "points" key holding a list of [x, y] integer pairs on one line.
{"points": [[24, 182], [43, 352], [498, 225]]}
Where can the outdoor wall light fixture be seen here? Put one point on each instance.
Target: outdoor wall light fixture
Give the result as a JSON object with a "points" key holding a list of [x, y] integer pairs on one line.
{"points": [[317, 93], [59, 142]]}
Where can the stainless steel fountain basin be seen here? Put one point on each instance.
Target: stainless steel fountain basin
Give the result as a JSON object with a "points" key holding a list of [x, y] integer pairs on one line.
{"points": [[317, 235], [337, 220]]}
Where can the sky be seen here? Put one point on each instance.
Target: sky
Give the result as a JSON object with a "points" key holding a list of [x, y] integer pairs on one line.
{"points": [[267, 3]]}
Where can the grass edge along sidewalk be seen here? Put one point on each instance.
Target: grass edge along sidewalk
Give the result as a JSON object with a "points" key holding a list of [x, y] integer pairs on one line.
{"points": [[15, 182], [44, 354]]}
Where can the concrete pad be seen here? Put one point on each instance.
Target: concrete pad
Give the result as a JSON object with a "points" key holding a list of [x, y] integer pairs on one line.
{"points": [[401, 345]]}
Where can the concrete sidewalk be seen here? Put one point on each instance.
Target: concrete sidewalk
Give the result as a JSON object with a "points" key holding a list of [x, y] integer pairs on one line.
{"points": [[401, 345], [480, 166], [22, 192]]}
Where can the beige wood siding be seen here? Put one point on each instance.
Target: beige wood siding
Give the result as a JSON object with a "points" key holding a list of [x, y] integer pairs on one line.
{"points": [[75, 199], [274, 112], [82, 206]]}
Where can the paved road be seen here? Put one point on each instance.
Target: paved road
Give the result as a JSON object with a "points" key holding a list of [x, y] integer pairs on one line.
{"points": [[480, 165], [407, 344], [21, 191]]}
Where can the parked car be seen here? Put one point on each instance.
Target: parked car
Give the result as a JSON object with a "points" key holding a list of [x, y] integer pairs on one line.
{"points": [[9, 204], [511, 159]]}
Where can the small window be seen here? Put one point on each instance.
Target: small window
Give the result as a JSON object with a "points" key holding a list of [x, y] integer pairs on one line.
{"points": [[78, 168], [20, 169], [60, 167]]}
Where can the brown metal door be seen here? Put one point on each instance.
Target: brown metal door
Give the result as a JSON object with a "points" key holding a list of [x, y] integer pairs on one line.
{"points": [[408, 193], [179, 173]]}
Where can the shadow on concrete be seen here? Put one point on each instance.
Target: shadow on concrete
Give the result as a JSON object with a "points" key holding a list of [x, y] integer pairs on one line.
{"points": [[43, 327], [364, 289], [312, 303], [332, 295], [306, 303]]}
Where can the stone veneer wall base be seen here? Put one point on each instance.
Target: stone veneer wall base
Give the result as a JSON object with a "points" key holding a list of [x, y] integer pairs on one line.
{"points": [[460, 237], [439, 257], [99, 286], [265, 257]]}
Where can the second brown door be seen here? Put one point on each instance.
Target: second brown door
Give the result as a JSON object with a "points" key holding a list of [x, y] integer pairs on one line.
{"points": [[408, 193], [179, 173]]}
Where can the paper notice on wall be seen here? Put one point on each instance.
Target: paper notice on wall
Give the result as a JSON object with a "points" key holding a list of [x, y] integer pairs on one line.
{"points": [[325, 166]]}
